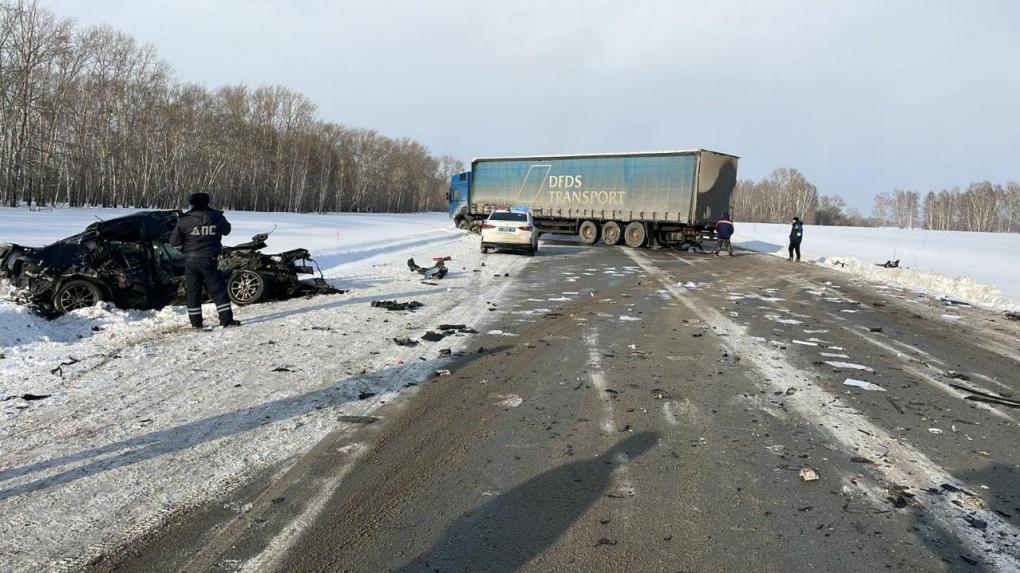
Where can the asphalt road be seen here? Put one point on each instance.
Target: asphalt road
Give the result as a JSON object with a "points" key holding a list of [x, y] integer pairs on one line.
{"points": [[653, 411]]}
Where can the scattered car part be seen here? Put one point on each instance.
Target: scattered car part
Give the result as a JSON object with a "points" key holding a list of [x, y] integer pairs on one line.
{"points": [[437, 271]]}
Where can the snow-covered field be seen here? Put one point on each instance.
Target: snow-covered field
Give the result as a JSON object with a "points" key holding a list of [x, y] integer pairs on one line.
{"points": [[141, 418], [979, 268]]}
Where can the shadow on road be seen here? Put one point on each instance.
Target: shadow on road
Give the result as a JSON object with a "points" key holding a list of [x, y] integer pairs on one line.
{"points": [[510, 530]]}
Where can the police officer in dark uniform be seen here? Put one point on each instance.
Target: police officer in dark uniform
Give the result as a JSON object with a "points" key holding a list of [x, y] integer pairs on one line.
{"points": [[199, 233], [796, 235]]}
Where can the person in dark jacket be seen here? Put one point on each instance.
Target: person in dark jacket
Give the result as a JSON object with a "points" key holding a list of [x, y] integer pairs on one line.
{"points": [[199, 234], [723, 233], [796, 234]]}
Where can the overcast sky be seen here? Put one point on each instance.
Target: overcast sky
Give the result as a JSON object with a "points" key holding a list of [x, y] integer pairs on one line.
{"points": [[861, 96]]}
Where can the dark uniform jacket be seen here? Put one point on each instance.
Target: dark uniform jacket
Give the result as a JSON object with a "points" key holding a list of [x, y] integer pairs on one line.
{"points": [[796, 232], [199, 233]]}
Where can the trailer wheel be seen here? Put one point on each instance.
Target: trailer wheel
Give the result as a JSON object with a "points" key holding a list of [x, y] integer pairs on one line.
{"points": [[611, 233], [634, 234], [589, 232]]}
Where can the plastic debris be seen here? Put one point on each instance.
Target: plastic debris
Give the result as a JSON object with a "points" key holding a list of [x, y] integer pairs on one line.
{"points": [[863, 385], [808, 474]]}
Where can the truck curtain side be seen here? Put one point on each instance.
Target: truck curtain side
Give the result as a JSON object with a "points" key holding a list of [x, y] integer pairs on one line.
{"points": [[672, 197]]}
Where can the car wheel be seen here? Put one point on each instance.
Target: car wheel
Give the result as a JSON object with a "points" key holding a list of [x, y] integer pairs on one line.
{"points": [[485, 249], [246, 287], [76, 294]]}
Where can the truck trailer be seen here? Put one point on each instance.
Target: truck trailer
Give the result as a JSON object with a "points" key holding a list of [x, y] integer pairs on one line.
{"points": [[669, 197]]}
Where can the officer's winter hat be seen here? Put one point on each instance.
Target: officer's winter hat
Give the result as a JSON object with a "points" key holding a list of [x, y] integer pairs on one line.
{"points": [[797, 219], [199, 200]]}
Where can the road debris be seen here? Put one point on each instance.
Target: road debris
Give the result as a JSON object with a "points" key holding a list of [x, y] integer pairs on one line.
{"points": [[848, 365], [934, 431], [405, 342], [979, 396], [357, 419], [899, 497], [863, 385], [28, 397], [889, 264], [433, 336], [394, 305], [437, 271], [808, 474], [894, 404], [442, 372]]}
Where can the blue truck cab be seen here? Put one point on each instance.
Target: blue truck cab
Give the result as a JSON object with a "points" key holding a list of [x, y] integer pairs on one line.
{"points": [[457, 196]]}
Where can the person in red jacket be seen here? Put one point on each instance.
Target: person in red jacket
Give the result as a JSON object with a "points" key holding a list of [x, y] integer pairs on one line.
{"points": [[724, 232]]}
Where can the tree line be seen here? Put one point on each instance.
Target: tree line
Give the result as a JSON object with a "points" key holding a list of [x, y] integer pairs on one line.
{"points": [[982, 206], [785, 193], [90, 117]]}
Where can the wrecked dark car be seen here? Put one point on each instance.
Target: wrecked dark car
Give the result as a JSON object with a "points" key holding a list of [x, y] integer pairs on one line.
{"points": [[129, 261]]}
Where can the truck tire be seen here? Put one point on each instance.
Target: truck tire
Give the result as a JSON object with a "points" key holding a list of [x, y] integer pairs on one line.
{"points": [[76, 294], [464, 225], [589, 232], [634, 234], [611, 233]]}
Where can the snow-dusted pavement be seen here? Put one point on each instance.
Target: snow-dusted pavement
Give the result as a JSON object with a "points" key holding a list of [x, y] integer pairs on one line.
{"points": [[145, 418]]}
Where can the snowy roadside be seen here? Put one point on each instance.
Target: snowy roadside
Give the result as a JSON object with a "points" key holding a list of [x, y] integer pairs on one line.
{"points": [[145, 418], [976, 268]]}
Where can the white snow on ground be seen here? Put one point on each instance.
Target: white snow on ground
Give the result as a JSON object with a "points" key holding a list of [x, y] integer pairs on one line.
{"points": [[979, 268], [146, 418]]}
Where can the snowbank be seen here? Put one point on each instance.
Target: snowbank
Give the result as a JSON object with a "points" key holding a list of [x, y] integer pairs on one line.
{"points": [[979, 268]]}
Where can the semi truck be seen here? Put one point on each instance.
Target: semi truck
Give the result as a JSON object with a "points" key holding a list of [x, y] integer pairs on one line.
{"points": [[669, 197]]}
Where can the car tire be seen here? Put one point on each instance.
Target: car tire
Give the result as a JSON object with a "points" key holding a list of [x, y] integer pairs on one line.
{"points": [[246, 287], [76, 294], [611, 233], [464, 225], [634, 235], [588, 232], [485, 249]]}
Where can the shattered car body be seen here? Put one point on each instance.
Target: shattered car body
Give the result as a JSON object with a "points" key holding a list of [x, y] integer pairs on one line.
{"points": [[129, 261]]}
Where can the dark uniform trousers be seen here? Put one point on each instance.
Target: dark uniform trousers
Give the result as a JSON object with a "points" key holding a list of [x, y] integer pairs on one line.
{"points": [[203, 271], [794, 248]]}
